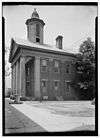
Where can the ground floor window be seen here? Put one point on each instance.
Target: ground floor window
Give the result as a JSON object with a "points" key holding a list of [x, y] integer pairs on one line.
{"points": [[56, 84], [67, 83], [44, 86], [43, 83]]}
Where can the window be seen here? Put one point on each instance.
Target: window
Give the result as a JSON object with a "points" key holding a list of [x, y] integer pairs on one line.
{"points": [[28, 30], [67, 68], [56, 66], [44, 86], [56, 84], [28, 71], [67, 86], [44, 62], [43, 83], [37, 30], [44, 65]]}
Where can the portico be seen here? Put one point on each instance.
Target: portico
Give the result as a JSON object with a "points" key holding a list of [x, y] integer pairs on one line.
{"points": [[26, 77]]}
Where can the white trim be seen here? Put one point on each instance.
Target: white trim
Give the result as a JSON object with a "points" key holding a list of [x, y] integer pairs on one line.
{"points": [[44, 79], [67, 81]]}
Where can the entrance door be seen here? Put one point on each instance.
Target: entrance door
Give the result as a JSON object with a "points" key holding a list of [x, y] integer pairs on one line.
{"points": [[28, 83], [29, 78]]}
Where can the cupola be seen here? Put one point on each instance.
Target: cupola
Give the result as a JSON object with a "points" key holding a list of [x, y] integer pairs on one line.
{"points": [[35, 28], [35, 14]]}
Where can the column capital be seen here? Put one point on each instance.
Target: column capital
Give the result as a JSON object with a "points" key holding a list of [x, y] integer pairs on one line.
{"points": [[22, 56], [37, 57]]}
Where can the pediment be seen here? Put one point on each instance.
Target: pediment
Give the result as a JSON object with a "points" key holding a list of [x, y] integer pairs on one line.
{"points": [[13, 49]]}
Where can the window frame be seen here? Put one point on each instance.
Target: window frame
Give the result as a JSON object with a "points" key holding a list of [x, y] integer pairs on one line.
{"points": [[38, 30], [56, 87], [67, 68], [42, 81], [46, 85], [58, 68], [66, 88], [46, 66]]}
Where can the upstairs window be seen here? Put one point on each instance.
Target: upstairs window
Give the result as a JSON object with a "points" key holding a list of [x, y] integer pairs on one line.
{"points": [[67, 68], [67, 86], [56, 66], [43, 65], [37, 30]]}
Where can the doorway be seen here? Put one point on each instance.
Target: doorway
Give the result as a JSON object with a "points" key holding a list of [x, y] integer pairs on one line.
{"points": [[29, 67]]}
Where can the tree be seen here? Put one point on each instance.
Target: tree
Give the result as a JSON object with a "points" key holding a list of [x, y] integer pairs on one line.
{"points": [[7, 65], [85, 66]]}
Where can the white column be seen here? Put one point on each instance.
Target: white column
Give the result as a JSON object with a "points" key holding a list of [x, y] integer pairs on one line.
{"points": [[22, 76], [17, 77], [12, 79], [37, 77]]}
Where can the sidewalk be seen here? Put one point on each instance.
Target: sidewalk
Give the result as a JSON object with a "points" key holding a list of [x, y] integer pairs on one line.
{"points": [[41, 113], [17, 122]]}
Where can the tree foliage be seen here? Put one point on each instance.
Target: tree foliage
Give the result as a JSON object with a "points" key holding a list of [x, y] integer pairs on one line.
{"points": [[7, 65], [85, 66]]}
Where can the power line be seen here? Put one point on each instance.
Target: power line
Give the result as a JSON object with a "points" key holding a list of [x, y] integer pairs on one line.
{"points": [[77, 41]]}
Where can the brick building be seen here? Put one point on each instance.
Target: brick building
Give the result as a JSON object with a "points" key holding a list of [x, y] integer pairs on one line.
{"points": [[40, 70]]}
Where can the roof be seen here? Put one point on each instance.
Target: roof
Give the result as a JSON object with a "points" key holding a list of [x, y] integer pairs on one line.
{"points": [[34, 19], [35, 14], [22, 43], [26, 43]]}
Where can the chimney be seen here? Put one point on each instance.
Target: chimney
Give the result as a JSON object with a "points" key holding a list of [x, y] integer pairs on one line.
{"points": [[59, 42]]}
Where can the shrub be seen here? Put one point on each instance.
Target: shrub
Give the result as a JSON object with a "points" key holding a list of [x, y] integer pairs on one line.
{"points": [[25, 98], [8, 92]]}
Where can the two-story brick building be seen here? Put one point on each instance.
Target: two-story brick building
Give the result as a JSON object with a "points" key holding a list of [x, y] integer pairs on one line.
{"points": [[40, 70]]}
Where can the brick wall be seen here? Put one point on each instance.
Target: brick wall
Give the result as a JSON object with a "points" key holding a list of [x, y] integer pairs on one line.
{"points": [[50, 76]]}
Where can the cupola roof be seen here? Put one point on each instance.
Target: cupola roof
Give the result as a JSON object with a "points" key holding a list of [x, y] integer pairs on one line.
{"points": [[35, 14]]}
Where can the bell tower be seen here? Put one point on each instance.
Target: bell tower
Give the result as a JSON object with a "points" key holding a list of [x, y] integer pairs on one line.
{"points": [[35, 28]]}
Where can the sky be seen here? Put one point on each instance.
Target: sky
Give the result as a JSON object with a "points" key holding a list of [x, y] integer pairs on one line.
{"points": [[74, 23]]}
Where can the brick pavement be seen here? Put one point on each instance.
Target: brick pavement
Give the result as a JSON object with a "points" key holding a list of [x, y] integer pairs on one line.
{"points": [[17, 122]]}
